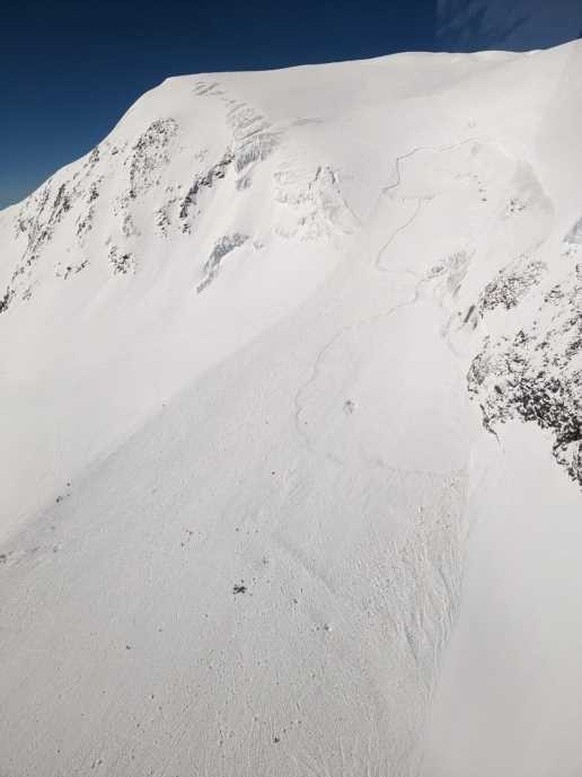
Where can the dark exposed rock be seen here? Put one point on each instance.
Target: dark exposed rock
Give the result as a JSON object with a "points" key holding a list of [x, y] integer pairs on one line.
{"points": [[223, 247], [533, 376], [206, 181], [6, 299], [93, 192], [150, 153], [122, 263], [511, 285]]}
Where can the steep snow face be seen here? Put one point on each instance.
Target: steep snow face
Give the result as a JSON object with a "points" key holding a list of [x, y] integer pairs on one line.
{"points": [[280, 358], [109, 268]]}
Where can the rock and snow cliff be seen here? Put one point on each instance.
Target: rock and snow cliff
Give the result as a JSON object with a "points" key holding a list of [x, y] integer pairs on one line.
{"points": [[292, 435]]}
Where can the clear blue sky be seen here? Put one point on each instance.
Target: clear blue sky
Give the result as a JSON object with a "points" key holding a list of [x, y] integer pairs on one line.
{"points": [[69, 69]]}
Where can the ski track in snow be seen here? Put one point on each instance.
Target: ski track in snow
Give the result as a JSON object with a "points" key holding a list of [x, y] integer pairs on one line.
{"points": [[377, 264]]}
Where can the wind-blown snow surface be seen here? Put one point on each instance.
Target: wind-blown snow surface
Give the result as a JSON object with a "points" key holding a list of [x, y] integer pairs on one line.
{"points": [[291, 434]]}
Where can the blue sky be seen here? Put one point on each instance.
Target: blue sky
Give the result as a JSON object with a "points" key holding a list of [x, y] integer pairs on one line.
{"points": [[70, 69]]}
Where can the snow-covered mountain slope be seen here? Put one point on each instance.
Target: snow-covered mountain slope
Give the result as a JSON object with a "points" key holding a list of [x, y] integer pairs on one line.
{"points": [[291, 444]]}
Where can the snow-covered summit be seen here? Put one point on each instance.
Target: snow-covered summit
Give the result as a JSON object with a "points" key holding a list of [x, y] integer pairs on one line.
{"points": [[269, 352]]}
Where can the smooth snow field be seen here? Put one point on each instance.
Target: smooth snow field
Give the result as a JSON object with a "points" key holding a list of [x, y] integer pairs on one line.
{"points": [[291, 443]]}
